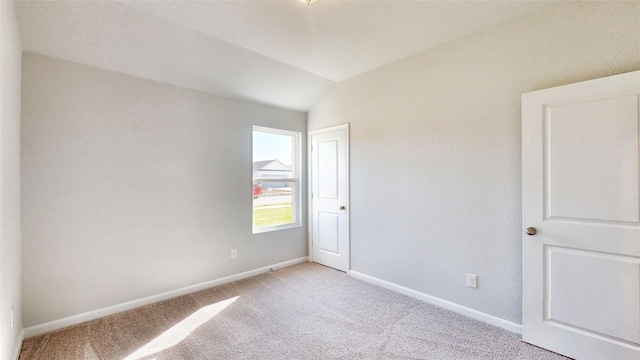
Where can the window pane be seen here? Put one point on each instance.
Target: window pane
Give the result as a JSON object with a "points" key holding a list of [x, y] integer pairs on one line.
{"points": [[272, 155], [275, 178], [274, 204]]}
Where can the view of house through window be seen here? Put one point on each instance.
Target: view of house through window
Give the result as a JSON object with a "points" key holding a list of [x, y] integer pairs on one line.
{"points": [[276, 155]]}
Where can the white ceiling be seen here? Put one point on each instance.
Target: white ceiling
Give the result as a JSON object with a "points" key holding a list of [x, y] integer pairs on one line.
{"points": [[283, 53]]}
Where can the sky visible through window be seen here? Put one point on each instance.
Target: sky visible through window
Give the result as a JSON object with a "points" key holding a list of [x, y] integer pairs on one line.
{"points": [[267, 146]]}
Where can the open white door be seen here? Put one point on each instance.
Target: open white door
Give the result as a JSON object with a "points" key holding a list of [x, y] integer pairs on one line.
{"points": [[581, 218], [330, 196]]}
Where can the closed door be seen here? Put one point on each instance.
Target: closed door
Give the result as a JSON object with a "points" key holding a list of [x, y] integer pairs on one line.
{"points": [[329, 197], [581, 218]]}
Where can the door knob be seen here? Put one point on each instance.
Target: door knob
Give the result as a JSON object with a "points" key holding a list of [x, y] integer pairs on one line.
{"points": [[531, 231], [342, 207]]}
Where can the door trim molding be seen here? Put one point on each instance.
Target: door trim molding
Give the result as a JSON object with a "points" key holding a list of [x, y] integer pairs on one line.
{"points": [[310, 133]]}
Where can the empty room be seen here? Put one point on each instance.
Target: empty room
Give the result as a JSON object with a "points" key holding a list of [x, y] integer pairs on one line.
{"points": [[319, 180]]}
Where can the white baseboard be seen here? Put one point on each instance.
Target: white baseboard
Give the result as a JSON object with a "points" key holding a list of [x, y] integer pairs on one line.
{"points": [[474, 314], [18, 346], [110, 310]]}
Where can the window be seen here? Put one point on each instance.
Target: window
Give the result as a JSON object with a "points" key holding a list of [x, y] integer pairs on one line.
{"points": [[276, 179]]}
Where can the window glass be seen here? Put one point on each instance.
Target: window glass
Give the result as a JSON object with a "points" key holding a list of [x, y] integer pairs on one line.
{"points": [[276, 155]]}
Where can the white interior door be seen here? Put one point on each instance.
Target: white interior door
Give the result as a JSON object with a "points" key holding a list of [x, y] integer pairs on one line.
{"points": [[330, 197], [580, 190]]}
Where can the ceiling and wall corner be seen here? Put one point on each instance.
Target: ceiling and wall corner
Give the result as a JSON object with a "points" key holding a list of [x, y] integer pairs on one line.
{"points": [[282, 53], [120, 38]]}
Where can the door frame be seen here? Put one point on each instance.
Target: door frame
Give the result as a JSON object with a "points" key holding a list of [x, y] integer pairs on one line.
{"points": [[310, 134]]}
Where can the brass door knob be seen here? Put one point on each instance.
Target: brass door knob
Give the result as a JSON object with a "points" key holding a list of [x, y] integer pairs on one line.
{"points": [[531, 231]]}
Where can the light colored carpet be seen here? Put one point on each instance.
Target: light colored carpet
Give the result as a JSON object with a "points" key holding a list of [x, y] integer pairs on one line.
{"points": [[306, 311]]}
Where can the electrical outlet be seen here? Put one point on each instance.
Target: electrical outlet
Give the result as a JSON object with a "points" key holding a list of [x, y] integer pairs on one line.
{"points": [[13, 316], [234, 254], [472, 281]]}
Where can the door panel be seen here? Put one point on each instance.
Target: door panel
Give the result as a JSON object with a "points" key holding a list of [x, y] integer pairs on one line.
{"points": [[600, 315], [327, 175], [330, 196], [580, 190], [328, 232], [604, 133]]}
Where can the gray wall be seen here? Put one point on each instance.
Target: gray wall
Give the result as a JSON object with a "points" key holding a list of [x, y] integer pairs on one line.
{"points": [[10, 238], [435, 148], [132, 188]]}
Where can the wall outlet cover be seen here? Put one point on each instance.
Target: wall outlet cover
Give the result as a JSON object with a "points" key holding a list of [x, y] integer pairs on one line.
{"points": [[472, 281]]}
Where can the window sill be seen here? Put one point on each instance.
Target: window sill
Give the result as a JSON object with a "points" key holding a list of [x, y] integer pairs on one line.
{"points": [[275, 228]]}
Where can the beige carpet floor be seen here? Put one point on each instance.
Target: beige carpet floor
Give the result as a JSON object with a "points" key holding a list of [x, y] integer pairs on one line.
{"points": [[306, 311]]}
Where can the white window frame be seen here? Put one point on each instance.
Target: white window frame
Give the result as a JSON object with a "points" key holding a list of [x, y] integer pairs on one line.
{"points": [[296, 160]]}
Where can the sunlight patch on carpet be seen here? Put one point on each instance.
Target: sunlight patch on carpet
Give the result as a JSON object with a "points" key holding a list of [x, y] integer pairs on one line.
{"points": [[181, 330]]}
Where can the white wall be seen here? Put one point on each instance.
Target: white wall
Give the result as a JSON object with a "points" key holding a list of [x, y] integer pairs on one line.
{"points": [[132, 188], [435, 148], [10, 238]]}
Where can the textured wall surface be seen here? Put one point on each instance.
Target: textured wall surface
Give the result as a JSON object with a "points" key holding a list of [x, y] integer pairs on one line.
{"points": [[435, 148], [132, 188], [10, 238]]}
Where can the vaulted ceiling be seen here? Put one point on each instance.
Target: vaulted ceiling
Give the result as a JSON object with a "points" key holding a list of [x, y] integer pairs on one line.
{"points": [[283, 53]]}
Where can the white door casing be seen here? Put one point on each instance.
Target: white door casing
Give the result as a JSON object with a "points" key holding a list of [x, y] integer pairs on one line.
{"points": [[329, 174], [581, 192]]}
